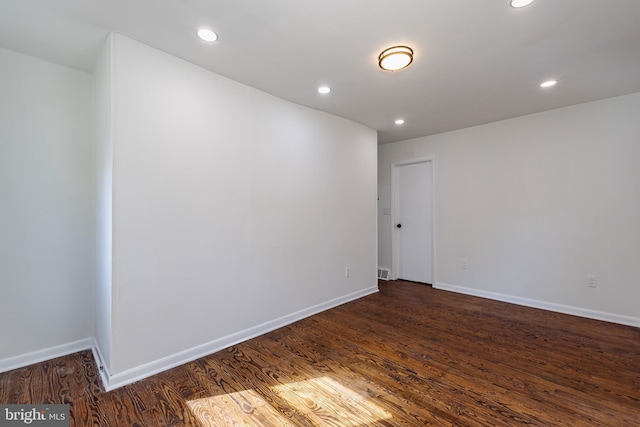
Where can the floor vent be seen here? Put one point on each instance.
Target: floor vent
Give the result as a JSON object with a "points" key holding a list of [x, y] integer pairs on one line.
{"points": [[383, 273]]}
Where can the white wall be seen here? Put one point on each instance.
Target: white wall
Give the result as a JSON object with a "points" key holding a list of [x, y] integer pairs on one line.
{"points": [[536, 204], [47, 237], [231, 208], [103, 134]]}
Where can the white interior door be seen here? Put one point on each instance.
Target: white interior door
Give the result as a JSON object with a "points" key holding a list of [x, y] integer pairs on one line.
{"points": [[414, 221]]}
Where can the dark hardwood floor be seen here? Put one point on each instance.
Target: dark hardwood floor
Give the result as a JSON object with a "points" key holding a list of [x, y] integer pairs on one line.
{"points": [[409, 355]]}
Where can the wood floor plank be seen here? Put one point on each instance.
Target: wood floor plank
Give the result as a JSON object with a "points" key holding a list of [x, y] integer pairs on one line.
{"points": [[428, 380], [409, 355], [511, 357]]}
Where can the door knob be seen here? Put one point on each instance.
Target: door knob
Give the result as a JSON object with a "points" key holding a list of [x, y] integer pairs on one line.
{"points": [[399, 226]]}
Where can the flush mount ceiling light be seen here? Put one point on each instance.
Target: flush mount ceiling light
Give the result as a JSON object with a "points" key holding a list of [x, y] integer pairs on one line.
{"points": [[207, 35], [395, 58], [548, 83], [324, 90], [521, 3], [400, 121]]}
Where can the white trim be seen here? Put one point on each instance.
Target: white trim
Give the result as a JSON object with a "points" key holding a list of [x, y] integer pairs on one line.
{"points": [[111, 382], [395, 203], [38, 356], [550, 306], [103, 369]]}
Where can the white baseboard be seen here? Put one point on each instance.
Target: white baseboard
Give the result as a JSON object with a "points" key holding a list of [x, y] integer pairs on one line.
{"points": [[103, 369], [111, 382], [27, 359], [120, 379], [550, 306]]}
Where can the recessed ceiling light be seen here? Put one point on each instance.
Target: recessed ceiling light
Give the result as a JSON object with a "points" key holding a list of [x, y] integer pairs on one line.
{"points": [[395, 58], [521, 3], [400, 121], [324, 89], [548, 83], [207, 35]]}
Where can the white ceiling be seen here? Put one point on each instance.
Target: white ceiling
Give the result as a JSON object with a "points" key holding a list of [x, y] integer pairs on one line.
{"points": [[476, 61]]}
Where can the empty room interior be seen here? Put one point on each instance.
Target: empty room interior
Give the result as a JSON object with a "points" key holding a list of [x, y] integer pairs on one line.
{"points": [[336, 213]]}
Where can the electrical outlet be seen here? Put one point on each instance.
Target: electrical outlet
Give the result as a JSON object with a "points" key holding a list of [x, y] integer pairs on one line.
{"points": [[464, 264], [591, 281], [346, 272]]}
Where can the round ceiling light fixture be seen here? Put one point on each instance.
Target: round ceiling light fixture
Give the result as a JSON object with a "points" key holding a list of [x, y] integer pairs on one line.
{"points": [[207, 35], [400, 122], [548, 83], [395, 58], [521, 3], [324, 90]]}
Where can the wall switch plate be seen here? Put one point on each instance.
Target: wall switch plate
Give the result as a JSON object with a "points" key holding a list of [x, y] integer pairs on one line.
{"points": [[346, 272], [591, 281]]}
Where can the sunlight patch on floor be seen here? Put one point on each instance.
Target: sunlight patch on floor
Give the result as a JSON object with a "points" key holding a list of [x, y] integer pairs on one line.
{"points": [[320, 401], [241, 408], [323, 399]]}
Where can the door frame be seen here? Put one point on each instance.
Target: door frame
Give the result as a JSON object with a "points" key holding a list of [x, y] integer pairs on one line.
{"points": [[395, 213]]}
